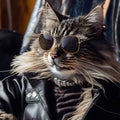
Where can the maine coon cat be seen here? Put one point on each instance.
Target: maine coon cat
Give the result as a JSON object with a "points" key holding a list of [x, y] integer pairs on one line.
{"points": [[70, 52]]}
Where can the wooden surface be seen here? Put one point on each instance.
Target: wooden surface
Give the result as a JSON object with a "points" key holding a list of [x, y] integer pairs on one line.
{"points": [[21, 11]]}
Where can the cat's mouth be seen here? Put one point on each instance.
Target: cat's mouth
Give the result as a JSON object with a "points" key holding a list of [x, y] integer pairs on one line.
{"points": [[61, 72], [59, 66], [59, 69], [56, 64]]}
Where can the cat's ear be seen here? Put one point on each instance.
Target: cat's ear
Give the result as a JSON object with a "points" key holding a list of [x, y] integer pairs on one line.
{"points": [[93, 21], [56, 14], [50, 17], [95, 15]]}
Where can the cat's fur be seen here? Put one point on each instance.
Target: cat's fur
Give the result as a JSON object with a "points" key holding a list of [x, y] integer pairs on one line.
{"points": [[95, 59]]}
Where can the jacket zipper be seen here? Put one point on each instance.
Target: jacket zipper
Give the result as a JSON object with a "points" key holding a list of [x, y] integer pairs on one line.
{"points": [[44, 106]]}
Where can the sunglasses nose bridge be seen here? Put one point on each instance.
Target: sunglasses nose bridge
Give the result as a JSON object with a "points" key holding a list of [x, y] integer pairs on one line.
{"points": [[54, 49], [55, 46]]}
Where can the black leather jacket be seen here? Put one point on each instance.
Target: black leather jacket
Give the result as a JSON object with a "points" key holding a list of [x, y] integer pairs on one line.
{"points": [[34, 102]]}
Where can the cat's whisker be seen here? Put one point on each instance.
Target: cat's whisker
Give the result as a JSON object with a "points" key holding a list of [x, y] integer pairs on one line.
{"points": [[99, 71]]}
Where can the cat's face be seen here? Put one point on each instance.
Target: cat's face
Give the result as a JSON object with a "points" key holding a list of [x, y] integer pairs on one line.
{"points": [[70, 49], [59, 60], [62, 44]]}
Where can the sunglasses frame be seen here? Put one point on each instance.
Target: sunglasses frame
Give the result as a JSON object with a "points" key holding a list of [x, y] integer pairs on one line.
{"points": [[80, 38], [42, 33], [69, 51]]}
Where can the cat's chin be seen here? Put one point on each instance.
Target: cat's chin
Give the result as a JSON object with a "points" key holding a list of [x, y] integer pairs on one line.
{"points": [[62, 73]]}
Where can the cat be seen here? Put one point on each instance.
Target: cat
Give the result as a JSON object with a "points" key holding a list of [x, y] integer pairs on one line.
{"points": [[71, 51]]}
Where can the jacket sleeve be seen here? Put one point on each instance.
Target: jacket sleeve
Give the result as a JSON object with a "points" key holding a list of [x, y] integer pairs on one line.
{"points": [[12, 96]]}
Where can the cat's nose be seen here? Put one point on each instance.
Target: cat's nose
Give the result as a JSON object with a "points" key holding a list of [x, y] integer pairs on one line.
{"points": [[53, 55]]}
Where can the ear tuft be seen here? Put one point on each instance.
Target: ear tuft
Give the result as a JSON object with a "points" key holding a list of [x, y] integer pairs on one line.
{"points": [[50, 17], [58, 16], [95, 16], [50, 13], [93, 21]]}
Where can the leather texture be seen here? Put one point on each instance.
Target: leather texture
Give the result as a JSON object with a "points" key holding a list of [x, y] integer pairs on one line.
{"points": [[28, 102], [25, 102], [10, 44], [112, 23]]}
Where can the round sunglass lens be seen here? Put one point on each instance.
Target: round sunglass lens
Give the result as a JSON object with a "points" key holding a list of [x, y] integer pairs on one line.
{"points": [[70, 44], [45, 41]]}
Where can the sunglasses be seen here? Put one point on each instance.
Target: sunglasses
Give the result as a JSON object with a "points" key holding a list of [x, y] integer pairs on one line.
{"points": [[69, 44]]}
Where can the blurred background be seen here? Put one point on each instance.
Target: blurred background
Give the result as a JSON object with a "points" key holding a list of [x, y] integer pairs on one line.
{"points": [[14, 19], [15, 14]]}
